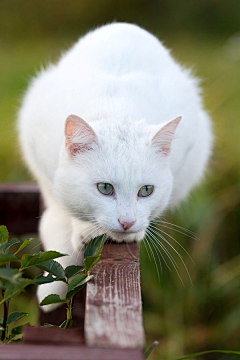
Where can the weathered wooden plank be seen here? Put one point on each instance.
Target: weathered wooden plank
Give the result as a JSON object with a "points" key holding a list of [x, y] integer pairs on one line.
{"points": [[53, 336], [19, 207], [113, 314], [56, 352]]}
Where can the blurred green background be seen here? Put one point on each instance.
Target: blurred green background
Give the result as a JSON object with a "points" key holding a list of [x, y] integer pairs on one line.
{"points": [[204, 35]]}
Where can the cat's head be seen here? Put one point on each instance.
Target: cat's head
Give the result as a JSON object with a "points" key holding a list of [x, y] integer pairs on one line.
{"points": [[116, 175]]}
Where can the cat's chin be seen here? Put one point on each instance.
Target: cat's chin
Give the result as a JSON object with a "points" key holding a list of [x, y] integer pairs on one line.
{"points": [[125, 236]]}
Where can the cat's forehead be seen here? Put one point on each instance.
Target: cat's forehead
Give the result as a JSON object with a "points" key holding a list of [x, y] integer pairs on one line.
{"points": [[124, 134], [125, 155]]}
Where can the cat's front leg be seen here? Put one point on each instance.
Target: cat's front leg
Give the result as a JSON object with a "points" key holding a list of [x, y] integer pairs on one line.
{"points": [[83, 232], [56, 232]]}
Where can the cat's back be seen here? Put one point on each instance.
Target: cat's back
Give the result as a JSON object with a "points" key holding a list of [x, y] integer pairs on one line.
{"points": [[115, 72], [117, 49]]}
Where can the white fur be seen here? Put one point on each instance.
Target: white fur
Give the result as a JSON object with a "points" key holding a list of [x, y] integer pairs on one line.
{"points": [[124, 83]]}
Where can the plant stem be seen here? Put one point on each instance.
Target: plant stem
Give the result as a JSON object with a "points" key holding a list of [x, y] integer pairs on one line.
{"points": [[5, 316], [69, 310], [69, 313]]}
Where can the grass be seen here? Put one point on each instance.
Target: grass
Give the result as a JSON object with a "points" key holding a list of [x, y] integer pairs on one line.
{"points": [[188, 318]]}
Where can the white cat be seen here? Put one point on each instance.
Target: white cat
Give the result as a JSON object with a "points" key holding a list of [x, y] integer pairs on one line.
{"points": [[127, 161]]}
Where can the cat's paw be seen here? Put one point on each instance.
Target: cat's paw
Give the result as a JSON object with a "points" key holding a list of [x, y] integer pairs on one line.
{"points": [[126, 237], [57, 287], [83, 232]]}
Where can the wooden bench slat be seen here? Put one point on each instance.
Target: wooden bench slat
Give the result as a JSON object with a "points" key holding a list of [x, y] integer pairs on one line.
{"points": [[113, 314], [55, 352]]}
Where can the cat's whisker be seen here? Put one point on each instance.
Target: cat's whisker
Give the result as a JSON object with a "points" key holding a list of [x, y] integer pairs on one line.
{"points": [[154, 259], [178, 254], [176, 267], [173, 227], [151, 236], [146, 249], [157, 253], [38, 245], [171, 237]]}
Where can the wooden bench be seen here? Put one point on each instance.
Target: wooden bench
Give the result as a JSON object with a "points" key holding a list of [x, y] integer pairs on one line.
{"points": [[111, 325]]}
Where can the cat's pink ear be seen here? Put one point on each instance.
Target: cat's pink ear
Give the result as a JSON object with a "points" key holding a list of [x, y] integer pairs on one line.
{"points": [[79, 135], [163, 138]]}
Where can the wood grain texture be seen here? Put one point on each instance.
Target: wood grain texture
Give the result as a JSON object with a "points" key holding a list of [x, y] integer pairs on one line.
{"points": [[71, 352], [19, 207], [113, 314]]}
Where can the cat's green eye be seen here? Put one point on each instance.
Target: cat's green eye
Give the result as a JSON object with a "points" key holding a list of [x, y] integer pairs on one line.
{"points": [[145, 190], [105, 188]]}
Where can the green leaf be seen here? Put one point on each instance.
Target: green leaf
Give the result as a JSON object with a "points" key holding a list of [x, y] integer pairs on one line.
{"points": [[77, 281], [77, 284], [54, 268], [23, 245], [51, 299], [3, 234], [71, 293], [29, 260], [40, 279], [15, 289], [50, 255], [5, 258], [94, 247], [9, 274], [14, 316], [15, 332], [39, 258], [90, 261], [73, 270], [209, 352], [6, 246]]}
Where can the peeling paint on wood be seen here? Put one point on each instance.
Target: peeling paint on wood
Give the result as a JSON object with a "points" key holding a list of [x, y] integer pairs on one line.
{"points": [[113, 314]]}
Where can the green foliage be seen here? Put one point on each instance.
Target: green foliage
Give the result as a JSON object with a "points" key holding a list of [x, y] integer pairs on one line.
{"points": [[6, 245], [54, 268], [13, 282], [14, 316], [92, 253], [23, 245], [75, 277], [73, 270], [51, 299], [6, 258], [39, 258]]}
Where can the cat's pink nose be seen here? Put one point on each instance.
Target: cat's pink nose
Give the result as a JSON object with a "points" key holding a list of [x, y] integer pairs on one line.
{"points": [[125, 224]]}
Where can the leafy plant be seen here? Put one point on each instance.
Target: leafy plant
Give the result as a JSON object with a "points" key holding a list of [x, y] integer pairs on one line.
{"points": [[75, 277], [12, 281]]}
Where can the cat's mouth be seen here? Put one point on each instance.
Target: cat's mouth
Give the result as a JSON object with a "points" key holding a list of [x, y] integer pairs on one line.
{"points": [[120, 236]]}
